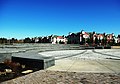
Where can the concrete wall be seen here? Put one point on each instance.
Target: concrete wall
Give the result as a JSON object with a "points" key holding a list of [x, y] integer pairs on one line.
{"points": [[48, 62], [4, 56], [35, 64], [115, 47]]}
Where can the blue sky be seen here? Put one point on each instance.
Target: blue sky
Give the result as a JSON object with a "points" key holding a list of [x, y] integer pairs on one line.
{"points": [[29, 18]]}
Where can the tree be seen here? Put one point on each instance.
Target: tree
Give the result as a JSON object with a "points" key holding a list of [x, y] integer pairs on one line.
{"points": [[13, 40], [96, 40], [112, 42], [88, 40], [60, 42], [0, 40], [3, 40], [83, 40], [91, 38], [45, 40], [56, 42], [99, 40], [40, 40], [105, 40], [32, 40], [27, 40]]}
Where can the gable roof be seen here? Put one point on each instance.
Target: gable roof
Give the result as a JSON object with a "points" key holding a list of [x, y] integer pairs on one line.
{"points": [[60, 37]]}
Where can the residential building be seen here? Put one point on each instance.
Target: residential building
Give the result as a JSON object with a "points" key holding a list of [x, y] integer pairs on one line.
{"points": [[36, 40], [85, 35], [118, 38], [59, 40], [100, 36], [110, 38]]}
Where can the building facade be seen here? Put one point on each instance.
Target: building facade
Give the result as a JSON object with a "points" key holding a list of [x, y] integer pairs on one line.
{"points": [[58, 40]]}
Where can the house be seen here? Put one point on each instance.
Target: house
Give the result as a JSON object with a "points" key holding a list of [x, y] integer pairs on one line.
{"points": [[85, 38], [100, 36], [36, 40], [92, 38], [118, 39], [85, 35], [21, 41], [110, 37], [59, 40], [78, 38]]}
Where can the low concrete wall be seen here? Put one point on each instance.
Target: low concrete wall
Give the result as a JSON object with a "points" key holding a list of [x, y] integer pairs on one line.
{"points": [[48, 62], [36, 63], [115, 47], [4, 56]]}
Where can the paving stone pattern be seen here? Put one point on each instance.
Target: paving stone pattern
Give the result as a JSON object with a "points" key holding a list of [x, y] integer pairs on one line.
{"points": [[58, 77]]}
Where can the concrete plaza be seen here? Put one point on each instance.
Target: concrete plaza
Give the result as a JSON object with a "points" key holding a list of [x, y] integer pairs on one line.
{"points": [[96, 61], [93, 64], [70, 57]]}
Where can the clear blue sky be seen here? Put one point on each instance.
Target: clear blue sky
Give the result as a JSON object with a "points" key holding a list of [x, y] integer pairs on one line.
{"points": [[29, 18]]}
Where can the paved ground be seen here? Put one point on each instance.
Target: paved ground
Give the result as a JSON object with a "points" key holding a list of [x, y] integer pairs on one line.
{"points": [[62, 77], [97, 61], [102, 67]]}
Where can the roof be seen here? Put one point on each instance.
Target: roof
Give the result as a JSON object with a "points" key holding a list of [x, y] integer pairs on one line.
{"points": [[100, 35], [86, 33], [60, 37]]}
